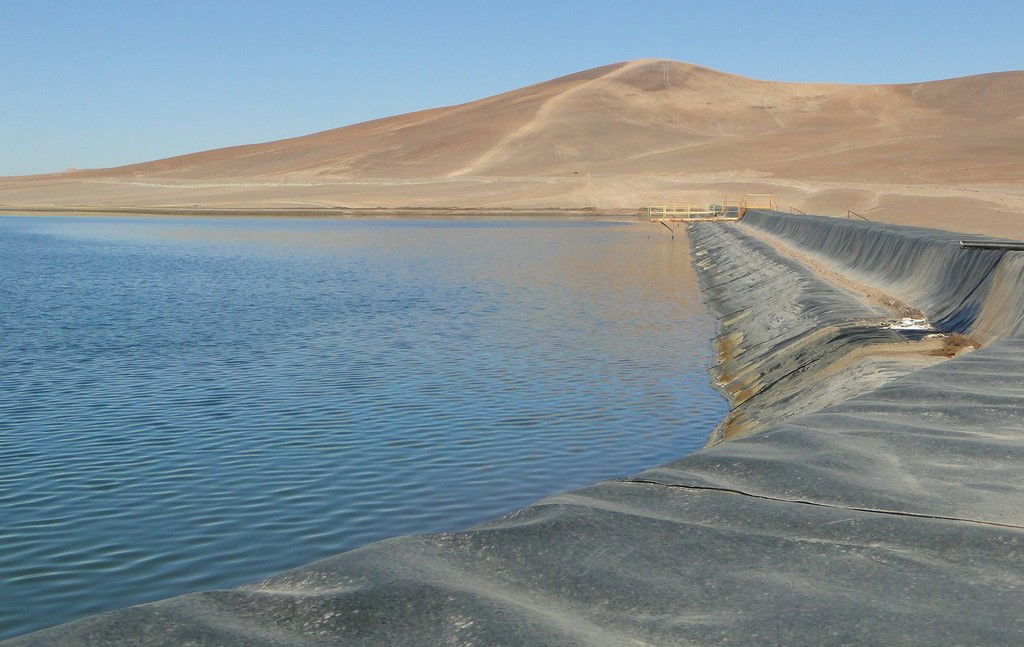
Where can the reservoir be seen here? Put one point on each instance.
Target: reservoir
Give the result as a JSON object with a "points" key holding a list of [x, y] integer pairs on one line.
{"points": [[195, 403]]}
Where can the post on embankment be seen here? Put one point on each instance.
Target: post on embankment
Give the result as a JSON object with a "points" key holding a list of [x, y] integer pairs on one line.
{"points": [[758, 201]]}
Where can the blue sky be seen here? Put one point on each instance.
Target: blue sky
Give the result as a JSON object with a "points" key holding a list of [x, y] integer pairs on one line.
{"points": [[89, 83]]}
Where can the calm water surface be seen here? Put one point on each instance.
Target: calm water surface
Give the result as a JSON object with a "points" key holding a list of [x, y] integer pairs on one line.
{"points": [[197, 403]]}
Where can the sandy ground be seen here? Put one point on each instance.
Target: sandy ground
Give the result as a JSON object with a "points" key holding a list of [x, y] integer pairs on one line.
{"points": [[615, 139]]}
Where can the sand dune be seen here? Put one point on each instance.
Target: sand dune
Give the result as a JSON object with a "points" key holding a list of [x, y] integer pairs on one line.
{"points": [[620, 137]]}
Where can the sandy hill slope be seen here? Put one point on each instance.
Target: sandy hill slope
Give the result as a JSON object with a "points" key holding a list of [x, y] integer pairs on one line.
{"points": [[618, 137]]}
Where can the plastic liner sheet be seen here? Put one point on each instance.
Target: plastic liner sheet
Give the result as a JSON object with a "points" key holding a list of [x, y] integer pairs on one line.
{"points": [[893, 518]]}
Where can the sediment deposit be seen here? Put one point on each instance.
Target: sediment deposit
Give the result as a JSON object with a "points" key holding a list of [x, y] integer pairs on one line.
{"points": [[879, 503]]}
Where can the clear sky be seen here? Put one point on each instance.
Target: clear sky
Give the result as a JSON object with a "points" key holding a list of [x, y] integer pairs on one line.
{"points": [[87, 83]]}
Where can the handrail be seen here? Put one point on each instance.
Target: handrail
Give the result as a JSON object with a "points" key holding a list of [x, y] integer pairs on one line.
{"points": [[682, 209], [850, 212], [795, 210], [726, 209]]}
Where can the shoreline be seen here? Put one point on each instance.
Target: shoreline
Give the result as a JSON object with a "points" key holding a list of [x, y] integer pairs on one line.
{"points": [[329, 212]]}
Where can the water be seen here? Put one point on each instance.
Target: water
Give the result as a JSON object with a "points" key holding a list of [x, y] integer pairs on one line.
{"points": [[197, 403]]}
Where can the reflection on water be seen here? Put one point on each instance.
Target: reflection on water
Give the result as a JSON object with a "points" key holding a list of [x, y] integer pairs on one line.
{"points": [[196, 403]]}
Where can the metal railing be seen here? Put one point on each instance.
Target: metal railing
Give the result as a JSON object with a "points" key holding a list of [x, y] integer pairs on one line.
{"points": [[1006, 245], [850, 213], [683, 210], [727, 209]]}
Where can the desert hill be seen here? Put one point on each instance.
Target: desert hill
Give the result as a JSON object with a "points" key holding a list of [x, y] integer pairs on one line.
{"points": [[618, 137]]}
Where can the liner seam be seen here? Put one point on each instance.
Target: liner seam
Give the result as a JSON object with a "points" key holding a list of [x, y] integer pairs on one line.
{"points": [[894, 513]]}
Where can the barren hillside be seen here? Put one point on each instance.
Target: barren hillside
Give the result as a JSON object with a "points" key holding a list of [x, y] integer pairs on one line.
{"points": [[619, 137]]}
